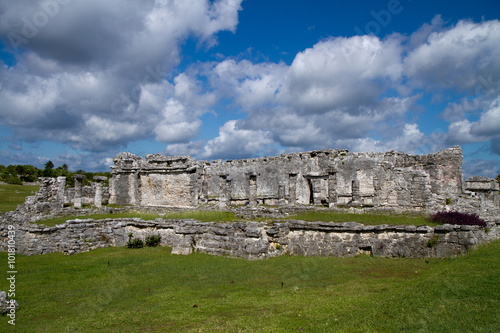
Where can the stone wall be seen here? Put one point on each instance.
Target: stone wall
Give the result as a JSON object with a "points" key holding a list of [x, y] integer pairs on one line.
{"points": [[157, 181], [87, 195], [253, 240], [326, 177]]}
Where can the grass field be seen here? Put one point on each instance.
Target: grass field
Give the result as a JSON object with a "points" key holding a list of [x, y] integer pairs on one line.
{"points": [[13, 195], [203, 216], [150, 290], [220, 216], [367, 219]]}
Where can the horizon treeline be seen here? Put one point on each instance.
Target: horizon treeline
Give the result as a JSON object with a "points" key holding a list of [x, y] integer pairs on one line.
{"points": [[19, 174]]}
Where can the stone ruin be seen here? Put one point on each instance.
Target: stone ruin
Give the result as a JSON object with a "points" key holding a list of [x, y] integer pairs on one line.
{"points": [[325, 180], [333, 178], [54, 194], [54, 199]]}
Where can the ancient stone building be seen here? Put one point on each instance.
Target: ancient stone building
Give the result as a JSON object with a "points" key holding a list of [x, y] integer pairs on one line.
{"points": [[324, 177]]}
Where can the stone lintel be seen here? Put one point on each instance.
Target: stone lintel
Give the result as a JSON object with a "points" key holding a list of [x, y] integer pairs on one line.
{"points": [[478, 183]]}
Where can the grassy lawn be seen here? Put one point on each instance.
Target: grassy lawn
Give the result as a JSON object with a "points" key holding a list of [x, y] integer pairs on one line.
{"points": [[13, 195], [150, 290], [203, 216], [219, 216], [367, 219]]}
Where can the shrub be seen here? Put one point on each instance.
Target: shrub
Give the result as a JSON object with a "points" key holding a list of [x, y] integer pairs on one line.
{"points": [[153, 240], [135, 243], [457, 218]]}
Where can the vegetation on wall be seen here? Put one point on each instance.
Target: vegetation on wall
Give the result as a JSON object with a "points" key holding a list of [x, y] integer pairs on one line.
{"points": [[457, 218]]}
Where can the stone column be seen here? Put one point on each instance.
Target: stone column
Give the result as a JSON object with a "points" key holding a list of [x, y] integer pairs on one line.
{"points": [[292, 197], [252, 190], [204, 189], [78, 190], [224, 192], [281, 195], [332, 189], [98, 190], [356, 196], [61, 187]]}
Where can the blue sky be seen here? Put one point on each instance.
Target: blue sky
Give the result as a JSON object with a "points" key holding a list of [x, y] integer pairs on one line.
{"points": [[81, 81]]}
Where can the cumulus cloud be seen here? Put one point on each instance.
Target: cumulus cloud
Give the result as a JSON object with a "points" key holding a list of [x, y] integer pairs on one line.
{"points": [[92, 73], [487, 127], [459, 58], [335, 94], [235, 142], [331, 91], [341, 72], [485, 168], [99, 75]]}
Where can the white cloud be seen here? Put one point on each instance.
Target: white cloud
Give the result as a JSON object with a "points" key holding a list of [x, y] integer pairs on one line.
{"points": [[341, 72], [489, 123], [410, 140], [251, 85], [101, 66], [193, 148], [235, 142], [487, 127], [459, 57], [95, 77]]}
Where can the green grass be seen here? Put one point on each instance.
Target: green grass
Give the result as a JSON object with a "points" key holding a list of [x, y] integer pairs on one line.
{"points": [[58, 220], [203, 216], [150, 290], [367, 219], [221, 216], [13, 195]]}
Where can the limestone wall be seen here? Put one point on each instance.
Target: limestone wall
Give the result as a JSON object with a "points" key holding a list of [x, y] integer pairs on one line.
{"points": [[254, 240], [87, 195], [157, 181], [326, 177]]}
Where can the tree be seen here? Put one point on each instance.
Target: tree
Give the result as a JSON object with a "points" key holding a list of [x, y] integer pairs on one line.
{"points": [[48, 171], [30, 173], [49, 165]]}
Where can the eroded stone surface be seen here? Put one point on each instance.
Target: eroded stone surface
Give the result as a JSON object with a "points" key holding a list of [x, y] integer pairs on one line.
{"points": [[255, 240], [326, 177]]}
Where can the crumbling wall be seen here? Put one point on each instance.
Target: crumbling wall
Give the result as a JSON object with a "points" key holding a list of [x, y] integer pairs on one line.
{"points": [[159, 180], [87, 195], [483, 189], [253, 240], [326, 177]]}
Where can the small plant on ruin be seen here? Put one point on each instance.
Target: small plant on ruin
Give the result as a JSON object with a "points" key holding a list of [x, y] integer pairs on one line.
{"points": [[448, 201], [134, 243], [153, 240], [457, 218], [432, 242]]}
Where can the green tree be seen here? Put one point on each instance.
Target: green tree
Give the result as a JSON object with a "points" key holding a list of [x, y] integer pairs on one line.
{"points": [[49, 169], [49, 165], [30, 173]]}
